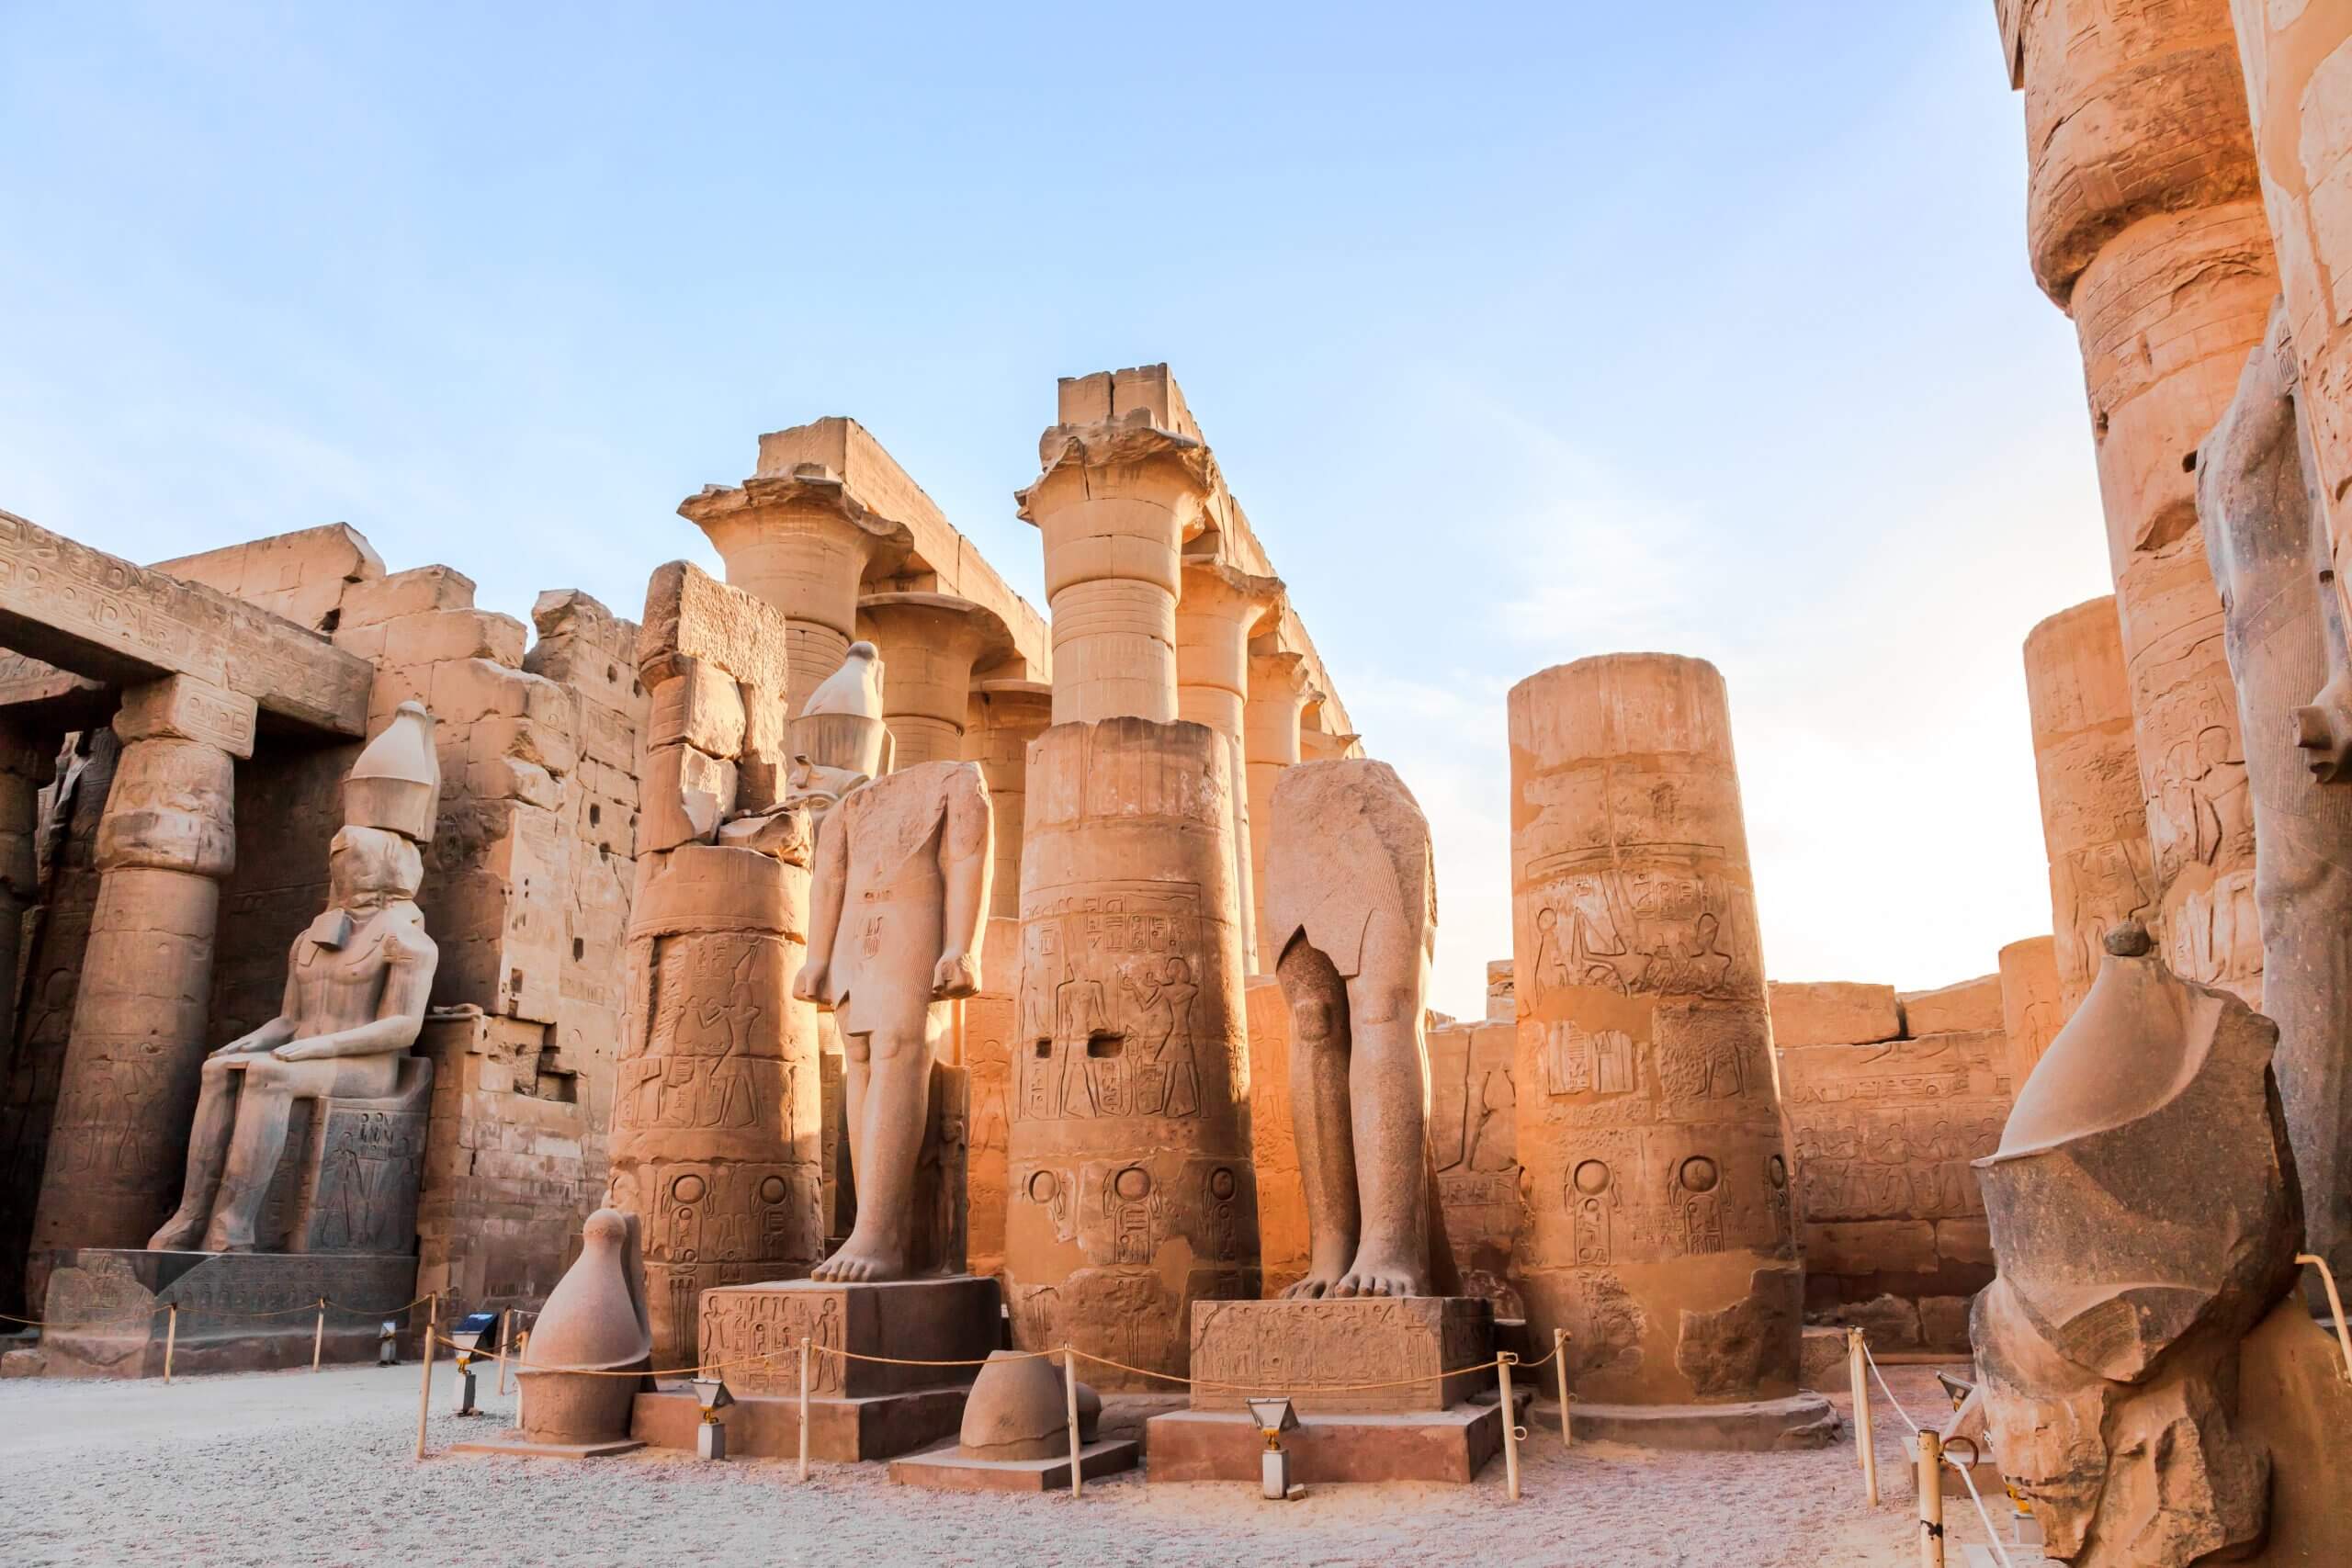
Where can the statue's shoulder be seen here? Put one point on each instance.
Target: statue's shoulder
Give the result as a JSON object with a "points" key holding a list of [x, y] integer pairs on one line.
{"points": [[404, 933]]}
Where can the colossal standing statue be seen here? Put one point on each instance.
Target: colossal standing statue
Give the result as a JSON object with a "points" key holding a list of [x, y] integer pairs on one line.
{"points": [[2266, 533], [356, 982], [1352, 923], [903, 863]]}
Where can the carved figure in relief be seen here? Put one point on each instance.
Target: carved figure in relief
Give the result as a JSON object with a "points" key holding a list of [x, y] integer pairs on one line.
{"points": [[902, 871], [356, 983], [1352, 911]]}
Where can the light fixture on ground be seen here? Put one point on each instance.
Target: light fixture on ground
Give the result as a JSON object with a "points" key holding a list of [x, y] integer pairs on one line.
{"points": [[1274, 1416], [387, 1343], [469, 1336], [710, 1437]]}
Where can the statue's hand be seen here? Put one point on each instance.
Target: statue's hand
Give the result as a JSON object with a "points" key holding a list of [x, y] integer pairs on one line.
{"points": [[300, 1050], [243, 1045], [958, 974], [810, 984]]}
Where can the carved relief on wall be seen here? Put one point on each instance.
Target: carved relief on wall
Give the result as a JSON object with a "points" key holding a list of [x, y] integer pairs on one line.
{"points": [[1111, 1006], [758, 1335], [1637, 931], [710, 1059]]}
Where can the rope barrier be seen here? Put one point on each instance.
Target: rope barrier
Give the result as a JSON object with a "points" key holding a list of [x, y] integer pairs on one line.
{"points": [[2334, 1305], [1872, 1360], [1991, 1535], [306, 1309]]}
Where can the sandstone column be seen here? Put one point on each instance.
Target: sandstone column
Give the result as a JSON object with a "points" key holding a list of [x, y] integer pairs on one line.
{"points": [[2296, 56], [128, 1090], [1005, 716], [2146, 225], [2094, 823], [802, 543], [929, 643], [1129, 1168], [1649, 1122], [1278, 692], [1115, 502], [1221, 611]]}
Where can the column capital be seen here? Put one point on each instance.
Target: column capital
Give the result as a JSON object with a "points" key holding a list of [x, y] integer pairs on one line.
{"points": [[1279, 674], [929, 643], [1136, 456], [1213, 588], [1322, 746]]}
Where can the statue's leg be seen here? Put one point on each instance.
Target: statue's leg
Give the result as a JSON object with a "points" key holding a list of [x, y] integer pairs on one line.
{"points": [[1319, 1049], [887, 1108], [1387, 1090], [207, 1150], [263, 1110]]}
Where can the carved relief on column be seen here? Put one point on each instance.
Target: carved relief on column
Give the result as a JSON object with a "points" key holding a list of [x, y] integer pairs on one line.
{"points": [[26, 765], [1005, 716], [2094, 824], [2146, 225], [1222, 609], [929, 644], [1130, 1172], [1115, 504], [2032, 1007], [119, 1135], [2298, 62], [1278, 693], [1649, 1122], [801, 542]]}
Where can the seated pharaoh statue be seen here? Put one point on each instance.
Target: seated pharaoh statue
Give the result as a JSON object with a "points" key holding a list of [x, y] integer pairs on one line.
{"points": [[1351, 910], [897, 895], [356, 982]]}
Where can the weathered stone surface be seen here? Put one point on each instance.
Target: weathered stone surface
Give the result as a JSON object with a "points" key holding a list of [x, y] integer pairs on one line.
{"points": [[1310, 1350], [93, 614], [1502, 995], [1648, 1119], [2146, 225], [1474, 1141], [2033, 1002], [1218, 614], [301, 575], [691, 616], [240, 1311], [2144, 1224], [1282, 1196], [757, 1329], [1832, 1012], [1352, 904], [1130, 1170], [1962, 1008], [2266, 533]]}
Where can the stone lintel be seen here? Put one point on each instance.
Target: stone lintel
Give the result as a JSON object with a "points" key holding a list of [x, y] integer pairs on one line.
{"points": [[101, 618], [180, 707]]}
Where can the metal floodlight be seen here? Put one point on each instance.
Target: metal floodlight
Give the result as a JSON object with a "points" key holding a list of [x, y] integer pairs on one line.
{"points": [[467, 1335], [387, 1343], [1274, 1416], [711, 1394]]}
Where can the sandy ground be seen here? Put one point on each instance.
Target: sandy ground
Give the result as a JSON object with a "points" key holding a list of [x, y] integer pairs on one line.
{"points": [[293, 1468]]}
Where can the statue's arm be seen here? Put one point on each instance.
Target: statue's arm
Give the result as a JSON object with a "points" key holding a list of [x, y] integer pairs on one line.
{"points": [[410, 960], [967, 849], [827, 878]]}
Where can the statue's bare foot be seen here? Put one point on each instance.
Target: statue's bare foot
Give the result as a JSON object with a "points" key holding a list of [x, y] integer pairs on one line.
{"points": [[1374, 1275], [181, 1233], [1311, 1286], [858, 1263]]}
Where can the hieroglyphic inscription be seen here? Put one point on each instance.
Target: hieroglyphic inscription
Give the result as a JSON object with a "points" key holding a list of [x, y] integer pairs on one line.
{"points": [[1296, 1348], [1110, 1004], [757, 1335]]}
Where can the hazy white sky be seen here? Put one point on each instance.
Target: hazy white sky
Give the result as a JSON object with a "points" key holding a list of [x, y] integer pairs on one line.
{"points": [[1525, 332]]}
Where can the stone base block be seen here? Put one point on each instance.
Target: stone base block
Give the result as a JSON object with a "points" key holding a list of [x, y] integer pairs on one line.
{"points": [[240, 1311], [752, 1334], [1313, 1351], [513, 1443], [1762, 1425], [861, 1426], [1419, 1445], [1820, 1362], [951, 1472]]}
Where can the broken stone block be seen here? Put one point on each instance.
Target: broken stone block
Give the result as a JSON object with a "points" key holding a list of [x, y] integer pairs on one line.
{"points": [[1833, 1012]]}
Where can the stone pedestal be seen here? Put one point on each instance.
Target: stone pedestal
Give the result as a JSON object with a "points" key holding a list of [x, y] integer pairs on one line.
{"points": [[240, 1311], [857, 1410], [1312, 1352], [948, 1471]]}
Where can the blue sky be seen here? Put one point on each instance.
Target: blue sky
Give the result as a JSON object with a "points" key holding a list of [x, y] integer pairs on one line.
{"points": [[1525, 332]]}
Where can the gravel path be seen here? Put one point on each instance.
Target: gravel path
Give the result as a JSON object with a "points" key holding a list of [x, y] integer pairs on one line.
{"points": [[289, 1468]]}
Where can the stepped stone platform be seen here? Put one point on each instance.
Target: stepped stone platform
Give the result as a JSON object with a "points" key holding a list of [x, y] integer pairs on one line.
{"points": [[240, 1311]]}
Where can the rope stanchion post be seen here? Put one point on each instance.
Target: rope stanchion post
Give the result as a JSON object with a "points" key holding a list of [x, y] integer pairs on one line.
{"points": [[522, 1348], [319, 1335], [1931, 1499], [1069, 1392], [1865, 1448], [423, 1390], [1510, 1425], [2335, 1303], [1560, 1367], [804, 1407], [505, 1333], [171, 1342]]}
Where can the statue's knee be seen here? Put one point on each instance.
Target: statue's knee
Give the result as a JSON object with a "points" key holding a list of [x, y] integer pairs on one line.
{"points": [[216, 1071], [268, 1074]]}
